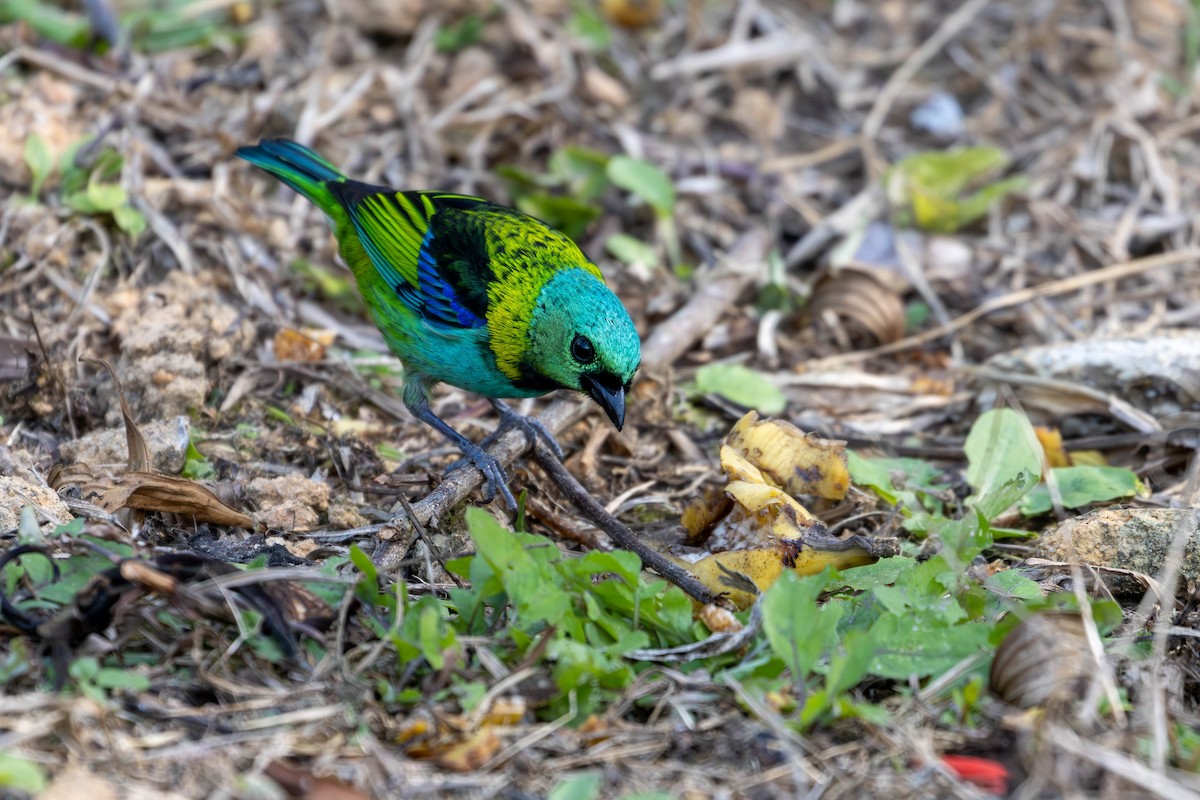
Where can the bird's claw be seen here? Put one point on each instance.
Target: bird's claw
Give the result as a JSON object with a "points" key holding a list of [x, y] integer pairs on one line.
{"points": [[494, 479], [532, 427]]}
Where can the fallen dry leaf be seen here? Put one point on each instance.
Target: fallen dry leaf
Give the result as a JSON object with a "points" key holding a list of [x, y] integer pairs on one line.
{"points": [[146, 491], [469, 754], [299, 781], [306, 346]]}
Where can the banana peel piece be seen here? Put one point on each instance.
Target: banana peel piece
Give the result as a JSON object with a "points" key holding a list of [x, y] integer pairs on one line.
{"points": [[787, 457], [806, 554], [762, 529]]}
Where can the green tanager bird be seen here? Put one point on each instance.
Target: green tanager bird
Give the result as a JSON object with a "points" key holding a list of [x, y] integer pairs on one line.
{"points": [[471, 293]]}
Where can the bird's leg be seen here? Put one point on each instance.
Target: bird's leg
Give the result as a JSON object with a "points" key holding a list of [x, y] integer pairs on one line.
{"points": [[493, 473], [532, 427]]}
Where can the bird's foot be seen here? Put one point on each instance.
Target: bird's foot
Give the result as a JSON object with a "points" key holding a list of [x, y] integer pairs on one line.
{"points": [[494, 479], [532, 427]]}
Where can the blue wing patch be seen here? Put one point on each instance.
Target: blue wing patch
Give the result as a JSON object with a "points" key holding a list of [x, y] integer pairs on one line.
{"points": [[433, 298]]}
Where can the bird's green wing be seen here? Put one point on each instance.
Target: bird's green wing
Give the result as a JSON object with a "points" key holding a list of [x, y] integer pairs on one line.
{"points": [[414, 243]]}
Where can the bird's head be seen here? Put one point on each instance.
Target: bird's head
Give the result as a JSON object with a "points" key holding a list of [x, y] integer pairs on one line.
{"points": [[582, 338]]}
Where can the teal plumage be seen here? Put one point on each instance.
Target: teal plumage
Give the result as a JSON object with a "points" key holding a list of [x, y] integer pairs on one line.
{"points": [[470, 293]]}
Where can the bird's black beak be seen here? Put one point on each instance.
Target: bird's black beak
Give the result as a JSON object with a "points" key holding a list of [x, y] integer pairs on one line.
{"points": [[608, 393]]}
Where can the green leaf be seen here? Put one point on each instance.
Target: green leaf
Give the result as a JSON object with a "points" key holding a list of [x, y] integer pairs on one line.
{"points": [[28, 529], [458, 36], [130, 220], [363, 563], [907, 482], [195, 465], [69, 530], [848, 665], [975, 206], [19, 774], [741, 385], [106, 196], [84, 669], [567, 214], [112, 678], [1081, 486], [81, 202], [928, 188], [526, 579], [580, 786], [1013, 584], [631, 251], [430, 631], [797, 630], [644, 180], [883, 572], [40, 161], [74, 178], [48, 21], [589, 27], [1004, 460], [584, 172], [913, 644]]}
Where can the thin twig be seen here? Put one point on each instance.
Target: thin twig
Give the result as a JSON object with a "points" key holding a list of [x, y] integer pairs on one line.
{"points": [[616, 530]]}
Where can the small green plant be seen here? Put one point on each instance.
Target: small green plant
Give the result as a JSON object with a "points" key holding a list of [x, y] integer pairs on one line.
{"points": [[195, 465], [459, 35], [741, 385], [649, 183], [152, 26], [96, 682], [936, 191], [588, 26], [21, 775], [567, 197], [88, 189]]}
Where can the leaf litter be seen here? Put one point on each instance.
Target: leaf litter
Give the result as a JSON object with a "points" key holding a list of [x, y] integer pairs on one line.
{"points": [[730, 156]]}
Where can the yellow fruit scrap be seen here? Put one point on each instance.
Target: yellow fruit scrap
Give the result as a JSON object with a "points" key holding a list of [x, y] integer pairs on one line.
{"points": [[766, 504], [765, 530], [738, 468], [1052, 445], [703, 512], [632, 13], [1056, 452], [789, 458]]}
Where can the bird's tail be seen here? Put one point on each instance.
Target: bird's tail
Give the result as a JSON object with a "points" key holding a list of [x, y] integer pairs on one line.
{"points": [[298, 167]]}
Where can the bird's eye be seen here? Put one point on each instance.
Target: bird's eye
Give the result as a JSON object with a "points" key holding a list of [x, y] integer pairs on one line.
{"points": [[582, 349]]}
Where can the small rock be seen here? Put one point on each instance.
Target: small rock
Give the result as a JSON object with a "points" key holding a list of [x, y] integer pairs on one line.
{"points": [[166, 439], [168, 338], [290, 503], [604, 88], [16, 493], [950, 261], [344, 515], [1136, 539], [940, 115], [759, 114]]}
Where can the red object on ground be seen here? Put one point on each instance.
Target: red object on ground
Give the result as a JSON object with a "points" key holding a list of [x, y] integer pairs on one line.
{"points": [[989, 775]]}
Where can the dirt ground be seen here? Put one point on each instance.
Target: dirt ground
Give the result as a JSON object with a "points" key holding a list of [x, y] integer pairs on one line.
{"points": [[1060, 279]]}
